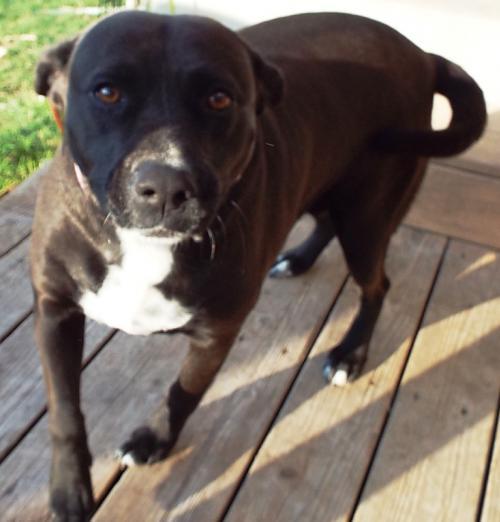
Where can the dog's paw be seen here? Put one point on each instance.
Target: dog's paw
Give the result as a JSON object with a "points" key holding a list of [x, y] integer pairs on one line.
{"points": [[344, 364], [282, 268], [288, 264], [337, 375], [340, 372], [71, 496], [144, 447], [73, 503]]}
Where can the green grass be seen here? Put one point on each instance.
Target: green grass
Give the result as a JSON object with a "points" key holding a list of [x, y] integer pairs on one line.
{"points": [[28, 134]]}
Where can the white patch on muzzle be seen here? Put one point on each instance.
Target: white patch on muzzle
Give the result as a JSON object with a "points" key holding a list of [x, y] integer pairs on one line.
{"points": [[160, 147]]}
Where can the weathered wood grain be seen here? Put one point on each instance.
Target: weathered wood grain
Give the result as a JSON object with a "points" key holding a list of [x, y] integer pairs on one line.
{"points": [[432, 459], [220, 439], [16, 297], [314, 460], [21, 383], [119, 389], [124, 382], [16, 211], [458, 204], [481, 157], [491, 507]]}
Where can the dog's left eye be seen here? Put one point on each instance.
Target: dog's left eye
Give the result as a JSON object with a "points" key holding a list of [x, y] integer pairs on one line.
{"points": [[219, 101], [108, 94]]}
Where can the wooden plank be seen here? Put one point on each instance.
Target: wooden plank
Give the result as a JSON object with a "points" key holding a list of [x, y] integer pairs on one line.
{"points": [[121, 385], [493, 117], [483, 157], [129, 375], [16, 296], [219, 441], [491, 508], [16, 211], [432, 459], [314, 460], [21, 382], [458, 204]]}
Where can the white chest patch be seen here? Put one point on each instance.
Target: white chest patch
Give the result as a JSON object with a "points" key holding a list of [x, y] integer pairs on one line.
{"points": [[128, 299]]}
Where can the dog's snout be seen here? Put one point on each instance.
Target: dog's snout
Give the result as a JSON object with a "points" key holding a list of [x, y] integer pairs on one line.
{"points": [[162, 186]]}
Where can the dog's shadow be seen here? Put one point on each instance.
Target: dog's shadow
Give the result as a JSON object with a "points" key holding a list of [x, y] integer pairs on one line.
{"points": [[214, 441], [204, 478], [220, 441]]}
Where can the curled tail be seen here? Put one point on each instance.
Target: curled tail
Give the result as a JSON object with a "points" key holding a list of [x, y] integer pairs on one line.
{"points": [[467, 123]]}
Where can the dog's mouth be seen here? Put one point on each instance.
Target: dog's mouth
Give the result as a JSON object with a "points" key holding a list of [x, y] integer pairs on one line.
{"points": [[160, 232], [156, 234], [187, 223]]}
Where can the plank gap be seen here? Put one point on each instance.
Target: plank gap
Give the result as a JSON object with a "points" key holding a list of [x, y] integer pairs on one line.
{"points": [[108, 486], [16, 325], [14, 245], [458, 204], [16, 282], [29, 426], [450, 236], [464, 168], [399, 380], [495, 431], [16, 211], [313, 461], [307, 351], [98, 349], [428, 470], [38, 416]]}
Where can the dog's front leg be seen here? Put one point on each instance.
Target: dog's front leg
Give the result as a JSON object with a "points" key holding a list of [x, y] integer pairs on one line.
{"points": [[153, 442], [59, 335]]}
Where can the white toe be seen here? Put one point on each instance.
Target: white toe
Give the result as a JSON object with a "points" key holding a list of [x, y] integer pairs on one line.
{"points": [[282, 269], [127, 460], [341, 376]]}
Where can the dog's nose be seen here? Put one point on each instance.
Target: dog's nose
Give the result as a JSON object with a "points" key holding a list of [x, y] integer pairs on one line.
{"points": [[162, 186]]}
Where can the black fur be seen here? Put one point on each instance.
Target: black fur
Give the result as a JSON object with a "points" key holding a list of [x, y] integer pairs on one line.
{"points": [[329, 114]]}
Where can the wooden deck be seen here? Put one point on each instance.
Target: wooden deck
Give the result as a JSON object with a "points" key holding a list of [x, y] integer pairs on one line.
{"points": [[416, 438]]}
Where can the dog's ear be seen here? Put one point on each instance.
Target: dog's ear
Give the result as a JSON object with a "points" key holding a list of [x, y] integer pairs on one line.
{"points": [[51, 77], [270, 83]]}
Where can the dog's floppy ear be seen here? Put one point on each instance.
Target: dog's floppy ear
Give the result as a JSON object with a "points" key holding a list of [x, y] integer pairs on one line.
{"points": [[270, 83], [51, 77]]}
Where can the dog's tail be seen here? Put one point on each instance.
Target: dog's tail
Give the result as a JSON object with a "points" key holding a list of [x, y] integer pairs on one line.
{"points": [[467, 123]]}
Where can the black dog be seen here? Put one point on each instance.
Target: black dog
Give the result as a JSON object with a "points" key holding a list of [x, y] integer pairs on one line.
{"points": [[179, 136]]}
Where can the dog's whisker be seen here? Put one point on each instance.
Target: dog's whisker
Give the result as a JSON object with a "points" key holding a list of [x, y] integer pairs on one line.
{"points": [[222, 224], [212, 243], [241, 229], [240, 211], [108, 215]]}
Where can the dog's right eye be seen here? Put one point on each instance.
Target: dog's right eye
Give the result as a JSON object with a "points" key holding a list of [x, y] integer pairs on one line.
{"points": [[219, 101], [108, 94]]}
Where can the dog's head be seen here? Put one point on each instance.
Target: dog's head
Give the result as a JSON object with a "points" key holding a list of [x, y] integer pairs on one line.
{"points": [[160, 115]]}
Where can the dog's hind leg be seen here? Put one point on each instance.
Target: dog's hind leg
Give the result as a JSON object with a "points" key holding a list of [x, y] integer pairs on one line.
{"points": [[366, 263], [299, 259], [153, 442], [365, 219]]}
